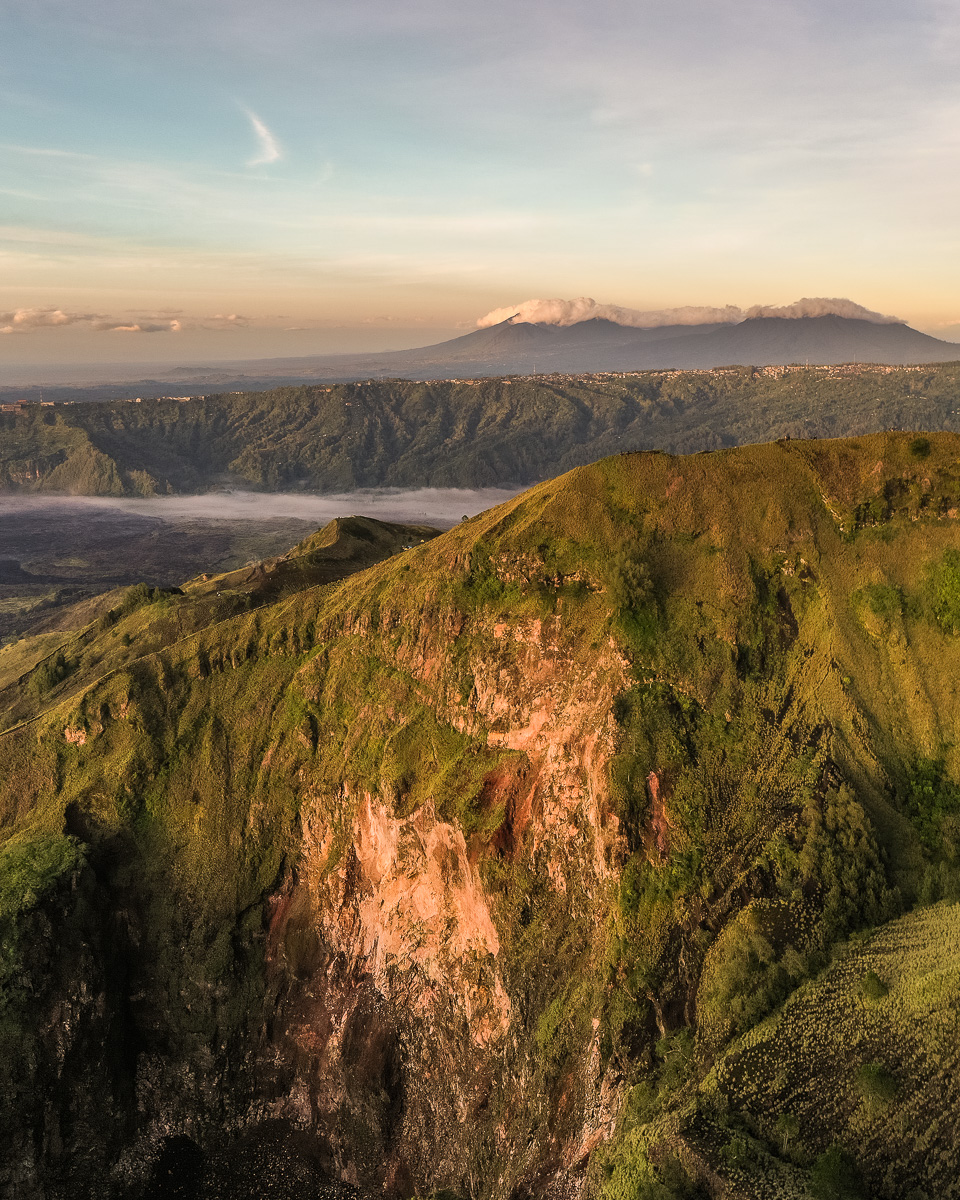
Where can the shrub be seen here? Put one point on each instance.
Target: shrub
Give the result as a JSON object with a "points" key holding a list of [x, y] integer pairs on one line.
{"points": [[872, 987], [883, 600], [932, 800], [51, 672], [141, 594], [942, 591], [787, 1128], [835, 1177], [630, 590], [876, 1085]]}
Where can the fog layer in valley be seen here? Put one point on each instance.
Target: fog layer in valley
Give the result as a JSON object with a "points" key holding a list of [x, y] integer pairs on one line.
{"points": [[440, 507]]}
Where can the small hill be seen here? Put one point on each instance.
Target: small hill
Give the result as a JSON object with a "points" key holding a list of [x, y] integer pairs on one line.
{"points": [[79, 642]]}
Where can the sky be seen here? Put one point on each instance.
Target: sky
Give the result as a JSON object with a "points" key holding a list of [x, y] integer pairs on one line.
{"points": [[188, 182]]}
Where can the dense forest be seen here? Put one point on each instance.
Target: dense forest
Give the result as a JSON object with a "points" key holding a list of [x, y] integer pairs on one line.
{"points": [[400, 433]]}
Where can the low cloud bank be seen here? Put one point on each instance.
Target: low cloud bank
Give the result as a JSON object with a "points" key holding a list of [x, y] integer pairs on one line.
{"points": [[29, 320], [440, 507], [583, 308]]}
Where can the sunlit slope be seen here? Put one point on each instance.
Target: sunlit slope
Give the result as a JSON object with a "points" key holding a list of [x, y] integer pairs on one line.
{"points": [[850, 1090], [692, 717], [864, 1056], [95, 637]]}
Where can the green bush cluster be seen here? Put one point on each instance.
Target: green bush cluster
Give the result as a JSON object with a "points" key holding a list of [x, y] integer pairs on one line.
{"points": [[51, 672], [872, 987], [876, 1085], [932, 803], [942, 591], [632, 598], [884, 600], [835, 1176]]}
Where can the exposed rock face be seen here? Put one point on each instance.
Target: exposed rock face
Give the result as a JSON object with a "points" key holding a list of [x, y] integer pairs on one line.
{"points": [[555, 707], [405, 987], [409, 902]]}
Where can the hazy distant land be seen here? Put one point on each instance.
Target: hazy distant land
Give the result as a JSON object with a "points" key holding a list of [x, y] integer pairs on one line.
{"points": [[466, 433], [525, 346]]}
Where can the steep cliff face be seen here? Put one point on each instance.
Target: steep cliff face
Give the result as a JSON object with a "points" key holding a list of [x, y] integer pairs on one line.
{"points": [[76, 1044], [405, 909], [458, 876]]}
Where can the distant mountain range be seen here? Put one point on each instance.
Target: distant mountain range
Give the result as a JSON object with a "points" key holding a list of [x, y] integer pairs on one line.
{"points": [[601, 345], [516, 347], [523, 348]]}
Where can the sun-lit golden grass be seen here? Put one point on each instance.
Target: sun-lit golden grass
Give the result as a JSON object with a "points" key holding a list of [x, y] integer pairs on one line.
{"points": [[809, 1060]]}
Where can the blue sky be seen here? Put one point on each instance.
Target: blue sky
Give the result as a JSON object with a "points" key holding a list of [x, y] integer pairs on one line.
{"points": [[208, 181]]}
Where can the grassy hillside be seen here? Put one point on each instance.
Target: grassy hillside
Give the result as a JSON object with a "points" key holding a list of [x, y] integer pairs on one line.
{"points": [[867, 1048], [476, 433], [96, 637], [768, 634]]}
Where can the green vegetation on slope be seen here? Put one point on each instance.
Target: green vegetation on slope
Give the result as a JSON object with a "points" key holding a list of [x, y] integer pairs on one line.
{"points": [[786, 774], [847, 1064]]}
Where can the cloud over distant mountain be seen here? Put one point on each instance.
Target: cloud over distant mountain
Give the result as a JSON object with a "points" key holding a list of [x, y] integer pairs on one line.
{"points": [[584, 308], [572, 312], [823, 306]]}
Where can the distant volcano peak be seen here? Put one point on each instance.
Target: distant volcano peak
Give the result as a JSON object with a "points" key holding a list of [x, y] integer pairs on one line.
{"points": [[585, 308]]}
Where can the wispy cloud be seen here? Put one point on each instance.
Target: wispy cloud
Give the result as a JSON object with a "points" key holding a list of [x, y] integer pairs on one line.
{"points": [[42, 151], [226, 321], [269, 147]]}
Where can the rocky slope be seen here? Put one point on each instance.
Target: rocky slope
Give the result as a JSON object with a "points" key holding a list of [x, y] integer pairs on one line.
{"points": [[469, 875]]}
